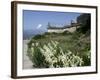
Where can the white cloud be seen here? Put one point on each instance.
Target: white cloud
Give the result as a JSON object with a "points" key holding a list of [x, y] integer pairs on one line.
{"points": [[39, 26]]}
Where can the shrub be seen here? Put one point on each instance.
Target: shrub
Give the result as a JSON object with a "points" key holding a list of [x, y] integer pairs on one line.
{"points": [[47, 33], [87, 58], [66, 33], [38, 36], [52, 55]]}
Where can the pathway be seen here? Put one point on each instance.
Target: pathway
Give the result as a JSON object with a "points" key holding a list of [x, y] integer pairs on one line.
{"points": [[27, 64]]}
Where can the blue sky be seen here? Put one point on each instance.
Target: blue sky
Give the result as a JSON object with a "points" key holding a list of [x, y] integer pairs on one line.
{"points": [[33, 20]]}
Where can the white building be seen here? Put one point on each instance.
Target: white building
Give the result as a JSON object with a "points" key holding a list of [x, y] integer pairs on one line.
{"points": [[69, 28]]}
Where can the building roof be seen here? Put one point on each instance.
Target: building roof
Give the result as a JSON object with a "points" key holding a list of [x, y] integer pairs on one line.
{"points": [[64, 27]]}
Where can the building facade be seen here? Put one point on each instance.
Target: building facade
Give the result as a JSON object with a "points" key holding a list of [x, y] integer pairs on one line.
{"points": [[70, 28]]}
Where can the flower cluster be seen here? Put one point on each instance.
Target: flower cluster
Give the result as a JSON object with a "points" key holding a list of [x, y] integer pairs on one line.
{"points": [[52, 55]]}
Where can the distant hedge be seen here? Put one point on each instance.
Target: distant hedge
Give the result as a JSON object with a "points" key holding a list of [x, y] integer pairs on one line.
{"points": [[38, 37]]}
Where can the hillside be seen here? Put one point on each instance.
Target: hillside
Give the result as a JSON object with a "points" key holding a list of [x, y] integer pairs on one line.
{"points": [[77, 43]]}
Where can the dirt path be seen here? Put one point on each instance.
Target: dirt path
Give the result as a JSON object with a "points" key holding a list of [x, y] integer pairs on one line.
{"points": [[27, 64]]}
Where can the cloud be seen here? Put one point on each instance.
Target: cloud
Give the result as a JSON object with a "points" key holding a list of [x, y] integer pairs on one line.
{"points": [[39, 26]]}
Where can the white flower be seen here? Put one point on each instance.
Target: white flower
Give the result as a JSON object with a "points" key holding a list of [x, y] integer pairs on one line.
{"points": [[37, 44], [49, 51], [33, 44]]}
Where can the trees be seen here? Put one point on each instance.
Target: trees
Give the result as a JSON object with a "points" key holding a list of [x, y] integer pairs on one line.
{"points": [[85, 21]]}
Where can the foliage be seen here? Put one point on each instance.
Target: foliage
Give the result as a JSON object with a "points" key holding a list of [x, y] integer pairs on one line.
{"points": [[38, 36], [76, 43], [85, 21], [52, 55], [66, 33]]}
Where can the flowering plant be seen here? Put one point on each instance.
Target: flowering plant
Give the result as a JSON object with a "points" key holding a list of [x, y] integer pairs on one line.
{"points": [[51, 55]]}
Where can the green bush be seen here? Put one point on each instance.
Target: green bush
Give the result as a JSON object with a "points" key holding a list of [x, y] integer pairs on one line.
{"points": [[52, 55], [38, 36], [47, 33], [66, 33]]}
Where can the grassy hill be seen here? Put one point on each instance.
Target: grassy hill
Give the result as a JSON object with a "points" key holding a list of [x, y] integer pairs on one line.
{"points": [[77, 43]]}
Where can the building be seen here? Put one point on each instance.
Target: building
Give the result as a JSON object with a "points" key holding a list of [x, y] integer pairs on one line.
{"points": [[70, 28]]}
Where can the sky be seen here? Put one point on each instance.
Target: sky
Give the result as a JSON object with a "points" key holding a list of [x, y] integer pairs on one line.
{"points": [[38, 20]]}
